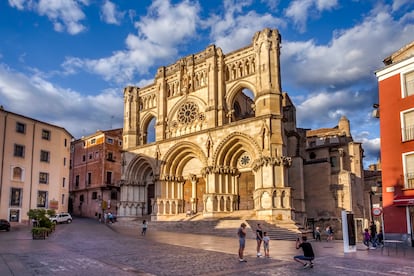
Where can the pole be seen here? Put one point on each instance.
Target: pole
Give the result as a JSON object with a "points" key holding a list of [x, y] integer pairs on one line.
{"points": [[370, 205]]}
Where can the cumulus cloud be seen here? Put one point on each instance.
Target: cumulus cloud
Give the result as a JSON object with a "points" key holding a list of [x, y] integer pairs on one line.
{"points": [[235, 28], [110, 14], [300, 10], [82, 115], [165, 26], [65, 15]]}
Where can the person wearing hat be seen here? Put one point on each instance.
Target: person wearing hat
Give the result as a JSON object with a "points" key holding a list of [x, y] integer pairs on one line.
{"points": [[241, 233]]}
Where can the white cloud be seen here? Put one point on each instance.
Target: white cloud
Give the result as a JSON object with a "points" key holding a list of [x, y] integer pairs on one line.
{"points": [[109, 13], [159, 33], [81, 115], [300, 10], [349, 57], [235, 28], [65, 15]]}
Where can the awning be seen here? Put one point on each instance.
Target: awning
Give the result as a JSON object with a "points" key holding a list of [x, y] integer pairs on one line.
{"points": [[403, 200]]}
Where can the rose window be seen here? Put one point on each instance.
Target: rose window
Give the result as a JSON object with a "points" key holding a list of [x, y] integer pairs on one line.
{"points": [[187, 113], [244, 160]]}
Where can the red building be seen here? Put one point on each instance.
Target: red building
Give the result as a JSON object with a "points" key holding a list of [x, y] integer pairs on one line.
{"points": [[396, 112], [95, 173]]}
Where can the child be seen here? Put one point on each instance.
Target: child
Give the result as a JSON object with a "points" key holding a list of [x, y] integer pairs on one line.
{"points": [[144, 227], [318, 234], [367, 238], [266, 240]]}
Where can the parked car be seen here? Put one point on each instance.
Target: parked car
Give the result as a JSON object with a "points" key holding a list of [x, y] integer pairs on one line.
{"points": [[4, 225], [61, 218]]}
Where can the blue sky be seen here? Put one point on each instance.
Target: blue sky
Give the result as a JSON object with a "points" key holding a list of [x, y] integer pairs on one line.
{"points": [[66, 62]]}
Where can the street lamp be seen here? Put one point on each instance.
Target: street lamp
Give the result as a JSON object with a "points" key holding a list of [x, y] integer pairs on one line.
{"points": [[371, 206]]}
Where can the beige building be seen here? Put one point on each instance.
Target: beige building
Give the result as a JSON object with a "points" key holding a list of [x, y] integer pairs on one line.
{"points": [[95, 173], [334, 176], [34, 166], [215, 134]]}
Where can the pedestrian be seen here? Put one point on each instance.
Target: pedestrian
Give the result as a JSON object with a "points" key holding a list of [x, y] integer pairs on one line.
{"points": [[110, 217], [105, 218], [308, 256], [318, 233], [259, 239], [366, 238], [144, 227], [373, 233], [329, 232], [241, 233], [380, 238], [266, 243]]}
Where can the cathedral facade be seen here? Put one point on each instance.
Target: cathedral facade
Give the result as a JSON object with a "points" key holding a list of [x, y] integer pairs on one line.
{"points": [[214, 134], [208, 137]]}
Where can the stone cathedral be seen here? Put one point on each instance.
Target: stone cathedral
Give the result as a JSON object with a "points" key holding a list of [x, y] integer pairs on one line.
{"points": [[214, 134]]}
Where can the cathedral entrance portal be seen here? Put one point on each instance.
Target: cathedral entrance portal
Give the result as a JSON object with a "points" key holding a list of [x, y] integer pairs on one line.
{"points": [[193, 195], [246, 189], [150, 198]]}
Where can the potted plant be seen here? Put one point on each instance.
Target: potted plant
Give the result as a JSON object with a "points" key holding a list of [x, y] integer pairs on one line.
{"points": [[42, 226]]}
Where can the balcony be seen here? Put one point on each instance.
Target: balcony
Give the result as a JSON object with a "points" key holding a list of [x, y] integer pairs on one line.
{"points": [[408, 133], [409, 184]]}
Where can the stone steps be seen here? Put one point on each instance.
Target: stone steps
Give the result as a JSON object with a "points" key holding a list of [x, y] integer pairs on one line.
{"points": [[226, 225]]}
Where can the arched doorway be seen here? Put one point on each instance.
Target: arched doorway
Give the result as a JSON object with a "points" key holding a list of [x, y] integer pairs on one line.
{"points": [[150, 197], [246, 189]]}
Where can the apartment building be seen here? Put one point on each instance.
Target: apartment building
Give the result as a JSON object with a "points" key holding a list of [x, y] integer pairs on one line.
{"points": [[34, 166], [396, 113], [95, 173]]}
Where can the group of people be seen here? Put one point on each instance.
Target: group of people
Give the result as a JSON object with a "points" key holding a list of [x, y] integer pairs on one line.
{"points": [[109, 217], [329, 233], [372, 239], [261, 237]]}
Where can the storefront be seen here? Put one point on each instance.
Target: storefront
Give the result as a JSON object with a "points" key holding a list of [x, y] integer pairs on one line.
{"points": [[407, 202]]}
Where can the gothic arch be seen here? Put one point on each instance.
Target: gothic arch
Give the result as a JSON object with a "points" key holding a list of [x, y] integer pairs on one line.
{"points": [[232, 147], [178, 156], [235, 89], [139, 168], [145, 123]]}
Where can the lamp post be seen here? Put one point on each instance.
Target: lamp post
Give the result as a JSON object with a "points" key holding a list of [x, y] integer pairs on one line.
{"points": [[371, 205]]}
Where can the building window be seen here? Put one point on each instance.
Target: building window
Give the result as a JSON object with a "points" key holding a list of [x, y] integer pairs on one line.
{"points": [[63, 182], [81, 198], [44, 156], [77, 181], [409, 83], [108, 177], [94, 195], [17, 174], [89, 178], [93, 141], [45, 134], [63, 199], [110, 156], [41, 199], [334, 162], [83, 158], [114, 195], [20, 127], [18, 150], [90, 156], [407, 122], [43, 178], [109, 140], [65, 142], [64, 161], [15, 197], [409, 170]]}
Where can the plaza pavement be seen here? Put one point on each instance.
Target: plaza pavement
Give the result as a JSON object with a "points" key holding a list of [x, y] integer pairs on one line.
{"points": [[86, 247]]}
